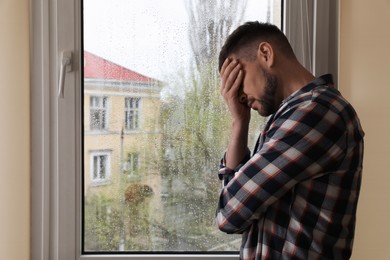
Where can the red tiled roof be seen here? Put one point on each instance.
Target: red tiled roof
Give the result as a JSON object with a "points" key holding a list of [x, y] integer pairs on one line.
{"points": [[96, 67]]}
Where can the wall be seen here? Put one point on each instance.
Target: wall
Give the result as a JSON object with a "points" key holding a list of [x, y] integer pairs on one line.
{"points": [[14, 130], [364, 80]]}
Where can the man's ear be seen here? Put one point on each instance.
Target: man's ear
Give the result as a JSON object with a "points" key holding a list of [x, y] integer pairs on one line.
{"points": [[265, 54]]}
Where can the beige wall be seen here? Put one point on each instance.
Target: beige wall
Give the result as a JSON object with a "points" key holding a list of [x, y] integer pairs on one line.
{"points": [[364, 80], [14, 130]]}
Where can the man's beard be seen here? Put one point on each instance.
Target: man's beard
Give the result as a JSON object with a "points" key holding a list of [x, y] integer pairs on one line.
{"points": [[268, 99]]}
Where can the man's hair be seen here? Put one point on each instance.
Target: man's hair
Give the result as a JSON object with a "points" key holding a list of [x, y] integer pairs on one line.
{"points": [[245, 39]]}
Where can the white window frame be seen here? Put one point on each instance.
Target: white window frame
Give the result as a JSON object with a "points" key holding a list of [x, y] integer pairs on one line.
{"points": [[312, 27], [56, 144]]}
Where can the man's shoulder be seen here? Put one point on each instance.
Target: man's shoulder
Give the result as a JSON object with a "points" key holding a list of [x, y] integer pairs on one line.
{"points": [[326, 96], [329, 102], [320, 100], [330, 97]]}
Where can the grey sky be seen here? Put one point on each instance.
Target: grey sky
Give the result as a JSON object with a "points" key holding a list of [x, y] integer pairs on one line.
{"points": [[147, 36]]}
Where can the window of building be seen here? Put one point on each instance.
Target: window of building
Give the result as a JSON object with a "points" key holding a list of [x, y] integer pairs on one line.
{"points": [[100, 167], [131, 165], [132, 113], [98, 113]]}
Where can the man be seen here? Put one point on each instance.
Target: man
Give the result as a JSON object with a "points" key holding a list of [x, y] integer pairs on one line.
{"points": [[296, 196]]}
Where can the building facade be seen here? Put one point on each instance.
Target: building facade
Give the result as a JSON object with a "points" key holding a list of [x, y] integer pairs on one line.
{"points": [[121, 146]]}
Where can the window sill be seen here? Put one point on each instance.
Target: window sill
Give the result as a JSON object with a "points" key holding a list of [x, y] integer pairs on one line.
{"points": [[100, 183], [134, 178]]}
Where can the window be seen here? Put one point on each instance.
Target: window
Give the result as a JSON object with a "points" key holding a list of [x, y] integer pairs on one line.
{"points": [[169, 80], [65, 209], [98, 113], [131, 166], [132, 106], [100, 167]]}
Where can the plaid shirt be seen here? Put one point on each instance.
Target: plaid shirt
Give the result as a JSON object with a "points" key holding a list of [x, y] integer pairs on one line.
{"points": [[296, 197]]}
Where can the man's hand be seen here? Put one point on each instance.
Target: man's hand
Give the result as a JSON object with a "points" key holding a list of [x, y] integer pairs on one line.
{"points": [[231, 89], [231, 84]]}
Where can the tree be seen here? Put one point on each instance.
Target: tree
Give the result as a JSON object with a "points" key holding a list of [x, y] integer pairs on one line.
{"points": [[195, 131], [119, 220], [211, 22]]}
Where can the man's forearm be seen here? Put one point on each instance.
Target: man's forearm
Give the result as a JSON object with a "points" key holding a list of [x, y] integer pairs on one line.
{"points": [[238, 144]]}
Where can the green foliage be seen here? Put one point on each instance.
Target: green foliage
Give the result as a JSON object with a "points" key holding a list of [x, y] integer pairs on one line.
{"points": [[195, 132], [112, 221], [102, 224]]}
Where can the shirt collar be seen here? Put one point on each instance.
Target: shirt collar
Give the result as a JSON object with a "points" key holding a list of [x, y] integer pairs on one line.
{"points": [[326, 79]]}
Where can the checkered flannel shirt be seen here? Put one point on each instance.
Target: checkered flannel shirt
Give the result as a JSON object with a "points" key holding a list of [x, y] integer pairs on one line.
{"points": [[296, 197]]}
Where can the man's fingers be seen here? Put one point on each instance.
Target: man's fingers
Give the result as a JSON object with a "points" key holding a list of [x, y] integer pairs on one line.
{"points": [[227, 67], [234, 79], [238, 81], [230, 76], [224, 65]]}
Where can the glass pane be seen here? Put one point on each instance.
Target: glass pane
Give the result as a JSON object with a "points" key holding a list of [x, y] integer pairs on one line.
{"points": [[162, 122]]}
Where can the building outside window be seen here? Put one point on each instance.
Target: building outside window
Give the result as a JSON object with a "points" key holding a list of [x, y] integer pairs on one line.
{"points": [[132, 106], [130, 186]]}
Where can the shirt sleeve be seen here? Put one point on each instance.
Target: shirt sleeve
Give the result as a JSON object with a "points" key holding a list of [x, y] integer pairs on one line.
{"points": [[225, 173], [304, 142]]}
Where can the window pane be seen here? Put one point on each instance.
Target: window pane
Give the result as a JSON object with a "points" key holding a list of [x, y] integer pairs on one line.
{"points": [[131, 113], [151, 82], [102, 168], [98, 113], [95, 167]]}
